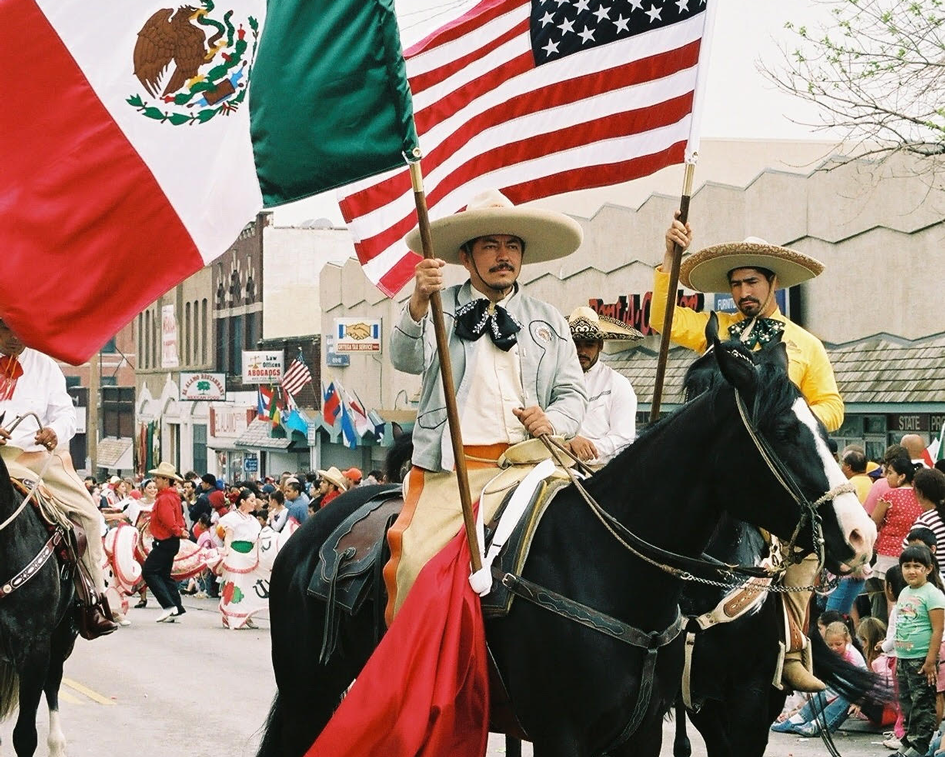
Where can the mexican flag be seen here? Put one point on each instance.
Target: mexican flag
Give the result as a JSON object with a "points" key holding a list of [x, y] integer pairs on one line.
{"points": [[138, 139]]}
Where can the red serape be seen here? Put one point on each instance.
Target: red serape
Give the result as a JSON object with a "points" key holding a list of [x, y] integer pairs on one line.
{"points": [[425, 690]]}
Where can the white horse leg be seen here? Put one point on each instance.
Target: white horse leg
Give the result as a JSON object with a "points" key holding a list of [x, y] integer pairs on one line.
{"points": [[57, 740]]}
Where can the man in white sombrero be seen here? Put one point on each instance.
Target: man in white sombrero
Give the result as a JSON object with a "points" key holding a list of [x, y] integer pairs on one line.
{"points": [[514, 366], [751, 271], [610, 421]]}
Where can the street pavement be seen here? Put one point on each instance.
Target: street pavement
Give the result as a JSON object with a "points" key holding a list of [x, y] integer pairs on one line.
{"points": [[195, 689]]}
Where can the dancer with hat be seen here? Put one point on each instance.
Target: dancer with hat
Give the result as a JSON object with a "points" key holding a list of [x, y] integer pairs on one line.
{"points": [[610, 421], [751, 271], [167, 529], [515, 369]]}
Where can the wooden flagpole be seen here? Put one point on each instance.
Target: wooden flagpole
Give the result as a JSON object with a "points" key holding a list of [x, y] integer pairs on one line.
{"points": [[671, 297], [446, 371]]}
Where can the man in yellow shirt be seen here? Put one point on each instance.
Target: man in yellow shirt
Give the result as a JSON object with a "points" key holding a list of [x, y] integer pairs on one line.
{"points": [[751, 271]]}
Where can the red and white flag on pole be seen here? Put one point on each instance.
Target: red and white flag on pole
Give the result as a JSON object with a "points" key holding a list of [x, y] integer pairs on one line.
{"points": [[535, 99]]}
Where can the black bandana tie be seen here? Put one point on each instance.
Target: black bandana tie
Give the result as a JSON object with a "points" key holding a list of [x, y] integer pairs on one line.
{"points": [[476, 318], [764, 331]]}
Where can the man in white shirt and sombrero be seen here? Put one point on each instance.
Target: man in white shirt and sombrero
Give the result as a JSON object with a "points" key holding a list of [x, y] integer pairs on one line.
{"points": [[514, 365], [609, 424], [751, 271]]}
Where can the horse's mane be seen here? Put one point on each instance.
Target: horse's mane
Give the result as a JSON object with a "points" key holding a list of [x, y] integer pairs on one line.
{"points": [[704, 385]]}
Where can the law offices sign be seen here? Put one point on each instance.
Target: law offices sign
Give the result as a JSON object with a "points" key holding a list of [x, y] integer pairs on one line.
{"points": [[195, 387], [262, 366]]}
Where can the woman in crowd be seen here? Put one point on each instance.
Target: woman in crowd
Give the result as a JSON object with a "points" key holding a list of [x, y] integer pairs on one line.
{"points": [[240, 596], [895, 512], [929, 488], [138, 513]]}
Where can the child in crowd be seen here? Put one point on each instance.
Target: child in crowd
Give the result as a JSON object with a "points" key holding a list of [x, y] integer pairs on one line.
{"points": [[828, 706], [871, 632], [893, 587], [919, 623]]}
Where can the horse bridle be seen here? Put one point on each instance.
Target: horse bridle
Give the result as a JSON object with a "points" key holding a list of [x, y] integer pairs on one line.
{"points": [[685, 567]]}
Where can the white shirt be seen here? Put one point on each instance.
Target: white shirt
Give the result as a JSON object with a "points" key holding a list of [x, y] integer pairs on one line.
{"points": [[244, 526], [495, 389], [611, 418], [41, 390]]}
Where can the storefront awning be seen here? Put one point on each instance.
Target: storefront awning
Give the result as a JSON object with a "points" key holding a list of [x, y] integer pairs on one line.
{"points": [[115, 453], [256, 436]]}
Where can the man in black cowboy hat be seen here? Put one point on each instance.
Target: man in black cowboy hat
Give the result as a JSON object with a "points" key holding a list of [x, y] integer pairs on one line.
{"points": [[513, 360], [609, 424], [31, 382], [751, 271]]}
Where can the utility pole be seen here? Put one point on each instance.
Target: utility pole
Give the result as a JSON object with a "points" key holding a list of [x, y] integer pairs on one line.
{"points": [[91, 428]]}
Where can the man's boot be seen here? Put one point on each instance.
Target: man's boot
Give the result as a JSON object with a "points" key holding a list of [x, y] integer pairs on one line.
{"points": [[797, 672]]}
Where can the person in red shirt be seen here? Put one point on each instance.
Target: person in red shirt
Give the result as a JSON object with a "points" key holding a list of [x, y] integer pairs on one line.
{"points": [[167, 528]]}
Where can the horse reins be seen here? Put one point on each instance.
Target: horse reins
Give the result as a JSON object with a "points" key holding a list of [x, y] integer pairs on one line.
{"points": [[664, 559]]}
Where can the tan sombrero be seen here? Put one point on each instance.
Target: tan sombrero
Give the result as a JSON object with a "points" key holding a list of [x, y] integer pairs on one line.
{"points": [[707, 270], [165, 470], [588, 325], [547, 235], [334, 476]]}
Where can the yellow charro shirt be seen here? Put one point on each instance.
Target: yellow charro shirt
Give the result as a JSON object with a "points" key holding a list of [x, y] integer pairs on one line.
{"points": [[808, 365]]}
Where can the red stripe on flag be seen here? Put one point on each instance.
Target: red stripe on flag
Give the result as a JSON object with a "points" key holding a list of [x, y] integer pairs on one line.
{"points": [[460, 27], [59, 142], [395, 278], [424, 81], [598, 176]]}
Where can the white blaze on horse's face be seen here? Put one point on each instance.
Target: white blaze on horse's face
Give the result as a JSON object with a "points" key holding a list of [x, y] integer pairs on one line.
{"points": [[858, 528]]}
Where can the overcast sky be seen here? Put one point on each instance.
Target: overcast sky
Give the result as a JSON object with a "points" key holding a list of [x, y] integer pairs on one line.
{"points": [[740, 102]]}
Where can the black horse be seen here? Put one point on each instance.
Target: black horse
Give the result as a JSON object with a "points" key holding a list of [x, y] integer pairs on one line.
{"points": [[574, 690], [37, 628], [733, 664]]}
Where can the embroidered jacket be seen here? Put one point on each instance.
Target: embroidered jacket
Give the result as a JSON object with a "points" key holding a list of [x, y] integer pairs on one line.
{"points": [[550, 373]]}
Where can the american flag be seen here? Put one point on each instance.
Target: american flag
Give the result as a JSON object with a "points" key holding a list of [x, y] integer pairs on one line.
{"points": [[297, 376], [536, 99]]}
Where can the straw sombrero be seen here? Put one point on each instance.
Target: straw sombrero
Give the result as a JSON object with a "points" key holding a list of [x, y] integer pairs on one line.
{"points": [[165, 470], [547, 235], [587, 325], [707, 270], [334, 476]]}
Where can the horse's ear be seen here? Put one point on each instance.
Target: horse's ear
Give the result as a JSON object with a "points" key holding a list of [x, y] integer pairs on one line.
{"points": [[712, 329], [737, 367], [777, 353]]}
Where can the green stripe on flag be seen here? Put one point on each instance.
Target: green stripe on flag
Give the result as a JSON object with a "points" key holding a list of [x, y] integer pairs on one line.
{"points": [[329, 99]]}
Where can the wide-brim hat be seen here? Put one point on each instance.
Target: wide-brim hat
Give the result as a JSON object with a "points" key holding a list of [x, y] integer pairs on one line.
{"points": [[707, 270], [548, 235], [334, 476], [165, 470], [588, 325]]}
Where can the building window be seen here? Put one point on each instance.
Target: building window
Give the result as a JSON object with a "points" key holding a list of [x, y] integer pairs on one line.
{"points": [[147, 339], [73, 381], [156, 340], [221, 362], [187, 333], [200, 448], [118, 410], [109, 347], [252, 331], [236, 346], [205, 331]]}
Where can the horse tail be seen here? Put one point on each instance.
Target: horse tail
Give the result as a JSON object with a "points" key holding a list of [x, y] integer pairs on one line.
{"points": [[852, 683], [271, 744], [9, 690]]}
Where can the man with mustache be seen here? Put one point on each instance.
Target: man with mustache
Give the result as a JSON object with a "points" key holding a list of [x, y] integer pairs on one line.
{"points": [[514, 366], [751, 271]]}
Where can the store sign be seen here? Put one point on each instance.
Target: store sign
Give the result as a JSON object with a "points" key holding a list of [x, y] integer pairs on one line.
{"points": [[250, 462], [168, 337], [230, 421], [262, 366], [634, 309], [332, 358], [909, 423], [357, 335], [202, 386]]}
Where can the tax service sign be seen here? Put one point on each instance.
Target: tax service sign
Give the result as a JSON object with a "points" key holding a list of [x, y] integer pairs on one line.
{"points": [[357, 335]]}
